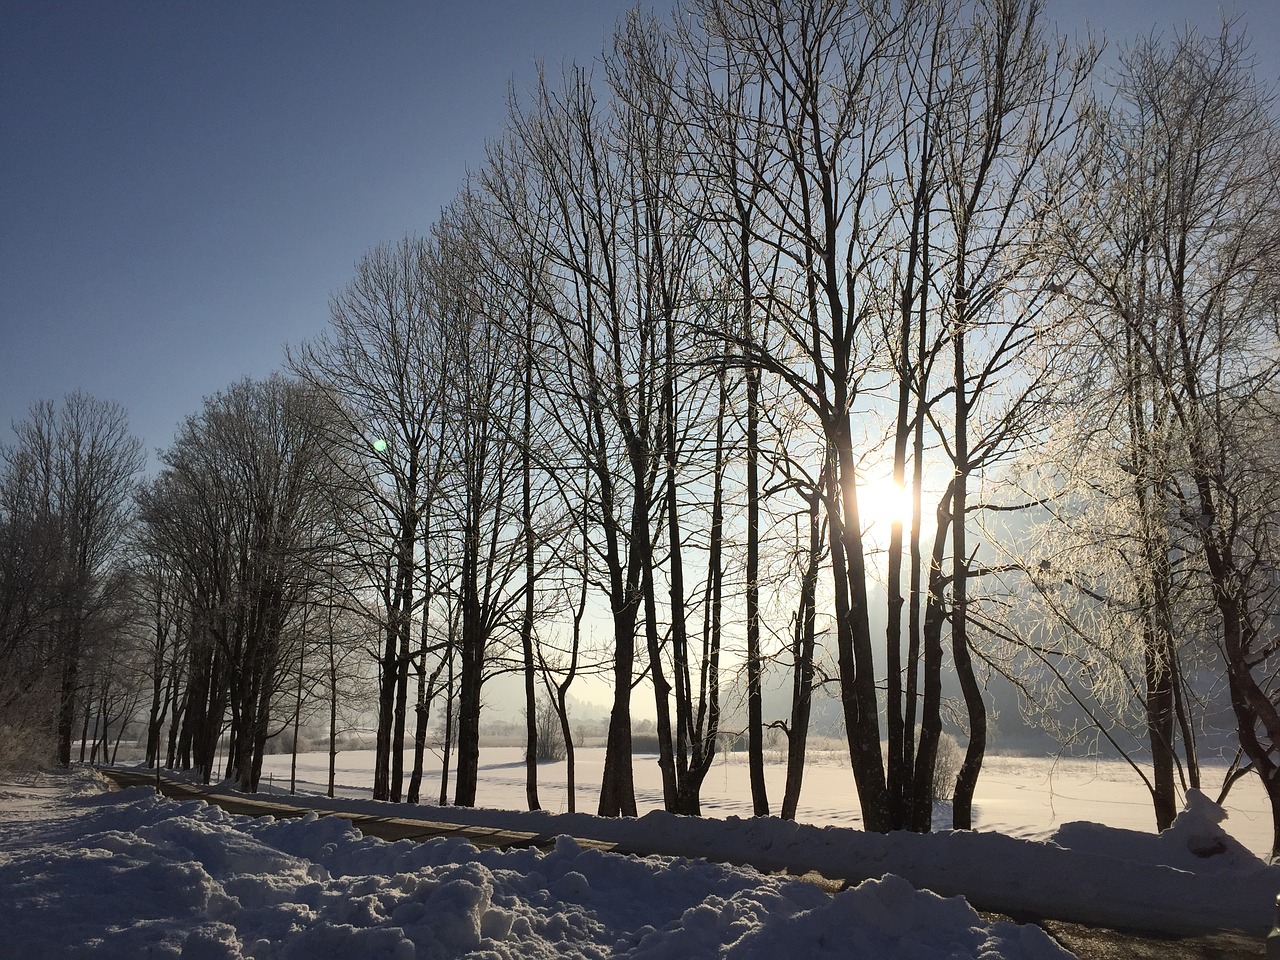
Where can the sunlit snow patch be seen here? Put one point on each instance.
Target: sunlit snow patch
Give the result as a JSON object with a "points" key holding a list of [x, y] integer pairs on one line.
{"points": [[143, 876]]}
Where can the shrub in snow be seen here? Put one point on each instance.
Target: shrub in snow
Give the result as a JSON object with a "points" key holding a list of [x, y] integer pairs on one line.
{"points": [[945, 768], [551, 747]]}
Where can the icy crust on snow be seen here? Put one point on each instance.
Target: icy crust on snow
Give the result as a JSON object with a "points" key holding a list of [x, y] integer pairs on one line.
{"points": [[134, 875]]}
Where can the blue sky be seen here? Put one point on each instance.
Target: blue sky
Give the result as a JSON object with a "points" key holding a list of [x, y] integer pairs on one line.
{"points": [[183, 184]]}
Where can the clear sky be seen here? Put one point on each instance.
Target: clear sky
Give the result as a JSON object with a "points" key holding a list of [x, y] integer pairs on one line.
{"points": [[183, 184]]}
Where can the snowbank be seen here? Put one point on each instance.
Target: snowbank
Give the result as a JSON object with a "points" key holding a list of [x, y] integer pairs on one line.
{"points": [[1193, 878], [132, 875]]}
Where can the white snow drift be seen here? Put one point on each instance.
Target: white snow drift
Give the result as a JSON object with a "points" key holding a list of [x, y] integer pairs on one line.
{"points": [[128, 874]]}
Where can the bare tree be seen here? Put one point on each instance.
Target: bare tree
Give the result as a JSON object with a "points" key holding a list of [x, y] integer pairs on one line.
{"points": [[725, 100], [487, 571], [824, 72], [896, 170], [158, 591], [71, 474], [382, 368], [30, 596], [1008, 113], [1171, 251], [601, 364]]}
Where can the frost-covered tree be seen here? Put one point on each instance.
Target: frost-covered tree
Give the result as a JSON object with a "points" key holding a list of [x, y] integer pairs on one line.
{"points": [[1170, 256]]}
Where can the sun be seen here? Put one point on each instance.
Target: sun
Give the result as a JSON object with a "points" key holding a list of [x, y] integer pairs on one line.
{"points": [[882, 502]]}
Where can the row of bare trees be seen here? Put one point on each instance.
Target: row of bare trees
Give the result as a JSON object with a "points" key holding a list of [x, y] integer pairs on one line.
{"points": [[243, 517], [761, 254], [646, 372], [789, 231], [178, 602]]}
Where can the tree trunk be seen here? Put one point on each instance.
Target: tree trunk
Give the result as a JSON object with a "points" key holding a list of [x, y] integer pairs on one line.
{"points": [[155, 718], [470, 677], [333, 717], [661, 689], [297, 717], [84, 726], [853, 632], [975, 707], [386, 692], [449, 724], [617, 788], [401, 668], [755, 696], [69, 686], [1160, 726], [935, 618], [526, 623], [562, 712], [802, 664]]}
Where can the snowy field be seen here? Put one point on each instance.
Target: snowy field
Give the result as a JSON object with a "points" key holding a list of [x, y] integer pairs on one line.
{"points": [[88, 873], [1028, 797]]}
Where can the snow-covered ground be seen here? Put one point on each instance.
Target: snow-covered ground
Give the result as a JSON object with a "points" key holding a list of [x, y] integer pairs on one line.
{"points": [[1029, 797], [87, 873]]}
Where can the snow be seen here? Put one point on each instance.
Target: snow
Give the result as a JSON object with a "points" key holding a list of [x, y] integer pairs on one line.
{"points": [[130, 874], [1028, 797], [1197, 841], [90, 873]]}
